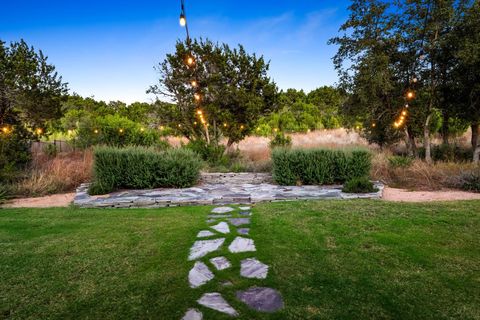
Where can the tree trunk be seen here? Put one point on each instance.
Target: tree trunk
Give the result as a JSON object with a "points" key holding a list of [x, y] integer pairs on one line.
{"points": [[475, 129], [475, 142], [426, 139], [445, 128], [412, 146]]}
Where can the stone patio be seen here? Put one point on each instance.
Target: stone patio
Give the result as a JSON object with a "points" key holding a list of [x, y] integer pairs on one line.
{"points": [[236, 188]]}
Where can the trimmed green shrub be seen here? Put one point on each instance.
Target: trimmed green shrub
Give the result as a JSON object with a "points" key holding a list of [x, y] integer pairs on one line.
{"points": [[142, 168], [212, 153], [319, 166], [400, 161], [359, 185]]}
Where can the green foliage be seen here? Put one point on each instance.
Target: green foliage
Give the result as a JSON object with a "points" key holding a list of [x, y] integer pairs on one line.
{"points": [[400, 161], [212, 153], [359, 185], [50, 150], [14, 152], [141, 168], [114, 130], [280, 140], [319, 166]]}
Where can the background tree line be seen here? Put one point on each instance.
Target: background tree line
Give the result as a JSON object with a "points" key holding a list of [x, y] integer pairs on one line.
{"points": [[410, 68]]}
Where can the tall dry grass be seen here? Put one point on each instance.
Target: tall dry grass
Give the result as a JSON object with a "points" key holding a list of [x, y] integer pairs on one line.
{"points": [[63, 173], [419, 175]]}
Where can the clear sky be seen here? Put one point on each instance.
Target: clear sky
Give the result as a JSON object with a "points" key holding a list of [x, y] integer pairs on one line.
{"points": [[107, 49]]}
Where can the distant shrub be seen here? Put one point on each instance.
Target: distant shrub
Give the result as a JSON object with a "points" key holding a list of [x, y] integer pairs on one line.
{"points": [[451, 152], [470, 181], [400, 161], [140, 168], [359, 185], [319, 166], [280, 140], [50, 150]]}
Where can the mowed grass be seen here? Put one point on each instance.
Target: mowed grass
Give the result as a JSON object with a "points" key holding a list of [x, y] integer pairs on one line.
{"points": [[330, 260]]}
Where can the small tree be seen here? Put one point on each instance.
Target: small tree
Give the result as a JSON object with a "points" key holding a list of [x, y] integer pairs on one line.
{"points": [[220, 92]]}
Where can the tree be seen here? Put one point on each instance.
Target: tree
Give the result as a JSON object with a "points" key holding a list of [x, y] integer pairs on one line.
{"points": [[221, 93], [31, 95]]}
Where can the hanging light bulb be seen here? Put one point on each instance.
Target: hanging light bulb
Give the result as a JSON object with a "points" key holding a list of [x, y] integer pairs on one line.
{"points": [[95, 131], [183, 20], [190, 60], [404, 112], [194, 83], [121, 130], [414, 80], [199, 112], [142, 129], [374, 125], [410, 94], [39, 131], [225, 124], [197, 97]]}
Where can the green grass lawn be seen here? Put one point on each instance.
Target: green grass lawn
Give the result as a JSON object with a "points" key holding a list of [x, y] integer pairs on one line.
{"points": [[329, 259]]}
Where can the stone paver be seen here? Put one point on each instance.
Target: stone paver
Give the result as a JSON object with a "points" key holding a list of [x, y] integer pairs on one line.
{"points": [[215, 301], [244, 208], [193, 314], [199, 275], [221, 227], [261, 299], [252, 268], [243, 231], [219, 216], [239, 221], [240, 244], [205, 233], [220, 263], [223, 210], [203, 247]]}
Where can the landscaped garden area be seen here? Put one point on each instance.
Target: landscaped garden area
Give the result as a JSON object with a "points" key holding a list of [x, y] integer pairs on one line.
{"points": [[239, 183]]}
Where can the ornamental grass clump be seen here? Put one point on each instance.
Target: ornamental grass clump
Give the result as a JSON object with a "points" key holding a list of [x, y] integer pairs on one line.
{"points": [[319, 166], [143, 168]]}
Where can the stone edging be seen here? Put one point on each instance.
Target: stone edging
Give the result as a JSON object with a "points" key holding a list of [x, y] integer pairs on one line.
{"points": [[215, 194]]}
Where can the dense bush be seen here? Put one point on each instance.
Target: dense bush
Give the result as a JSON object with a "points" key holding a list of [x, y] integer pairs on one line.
{"points": [[451, 152], [212, 153], [14, 152], [280, 140], [359, 185], [319, 166], [400, 161], [470, 181], [140, 168]]}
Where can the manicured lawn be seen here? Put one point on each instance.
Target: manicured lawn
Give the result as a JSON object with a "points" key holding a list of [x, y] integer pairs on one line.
{"points": [[329, 259]]}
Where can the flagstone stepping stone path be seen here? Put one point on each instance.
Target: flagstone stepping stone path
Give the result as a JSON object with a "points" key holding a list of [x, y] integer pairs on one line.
{"points": [[222, 227], [252, 268], [205, 233], [203, 247], [261, 299]]}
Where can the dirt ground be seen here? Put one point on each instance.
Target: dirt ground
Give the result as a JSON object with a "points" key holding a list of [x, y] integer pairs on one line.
{"points": [[389, 194]]}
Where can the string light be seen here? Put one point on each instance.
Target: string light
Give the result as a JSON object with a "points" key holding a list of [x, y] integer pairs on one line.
{"points": [[199, 112], [225, 124], [197, 96], [183, 20], [241, 127], [357, 127], [142, 129], [95, 131], [275, 129], [39, 131], [190, 60], [414, 80], [410, 94], [404, 112], [179, 125], [5, 130], [374, 125], [120, 130], [194, 83]]}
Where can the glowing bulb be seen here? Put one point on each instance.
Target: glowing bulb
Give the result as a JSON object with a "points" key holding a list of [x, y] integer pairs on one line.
{"points": [[225, 124], [241, 127], [95, 131], [275, 129], [197, 96], [194, 83], [401, 118], [179, 125], [190, 61], [410, 94], [357, 127], [404, 113], [183, 20], [5, 130], [39, 131], [142, 129], [374, 125], [162, 127], [120, 130], [195, 123], [199, 112], [414, 80], [308, 130]]}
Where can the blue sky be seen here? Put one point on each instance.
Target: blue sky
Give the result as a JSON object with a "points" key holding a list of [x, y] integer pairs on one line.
{"points": [[107, 49]]}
